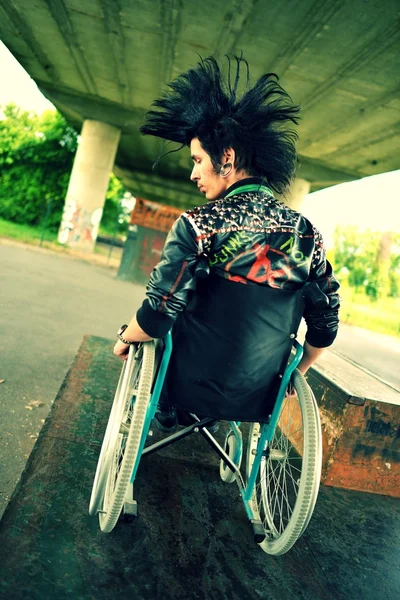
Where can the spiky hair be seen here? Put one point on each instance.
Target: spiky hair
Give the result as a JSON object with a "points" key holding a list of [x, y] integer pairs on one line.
{"points": [[202, 104]]}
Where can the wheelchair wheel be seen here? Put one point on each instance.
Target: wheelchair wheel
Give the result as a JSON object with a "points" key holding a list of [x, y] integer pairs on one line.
{"points": [[290, 471], [230, 447], [125, 435], [114, 419]]}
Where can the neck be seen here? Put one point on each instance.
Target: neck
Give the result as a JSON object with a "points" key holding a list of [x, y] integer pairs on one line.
{"points": [[235, 177], [244, 181]]}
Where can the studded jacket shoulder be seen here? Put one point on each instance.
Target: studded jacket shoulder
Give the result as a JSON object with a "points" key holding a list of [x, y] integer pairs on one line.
{"points": [[249, 238]]}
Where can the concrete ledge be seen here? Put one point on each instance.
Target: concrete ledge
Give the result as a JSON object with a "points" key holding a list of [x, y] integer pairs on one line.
{"points": [[360, 417]]}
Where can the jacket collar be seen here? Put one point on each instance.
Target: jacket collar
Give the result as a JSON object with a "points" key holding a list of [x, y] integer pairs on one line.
{"points": [[247, 185]]}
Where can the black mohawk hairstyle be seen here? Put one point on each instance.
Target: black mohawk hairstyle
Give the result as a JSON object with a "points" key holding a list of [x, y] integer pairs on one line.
{"points": [[202, 104]]}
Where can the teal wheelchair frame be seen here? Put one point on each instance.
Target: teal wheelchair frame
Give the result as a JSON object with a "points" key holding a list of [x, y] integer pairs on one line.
{"points": [[270, 452]]}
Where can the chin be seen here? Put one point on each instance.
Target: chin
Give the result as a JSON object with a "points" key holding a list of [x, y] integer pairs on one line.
{"points": [[209, 195]]}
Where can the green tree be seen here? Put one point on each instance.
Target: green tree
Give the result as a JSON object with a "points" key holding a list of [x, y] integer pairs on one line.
{"points": [[394, 269], [112, 208], [36, 157], [366, 256]]}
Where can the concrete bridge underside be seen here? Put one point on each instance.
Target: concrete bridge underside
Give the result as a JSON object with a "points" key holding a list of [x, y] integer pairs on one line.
{"points": [[108, 60]]}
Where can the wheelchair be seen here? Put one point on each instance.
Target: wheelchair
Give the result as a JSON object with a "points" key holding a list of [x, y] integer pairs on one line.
{"points": [[279, 480]]}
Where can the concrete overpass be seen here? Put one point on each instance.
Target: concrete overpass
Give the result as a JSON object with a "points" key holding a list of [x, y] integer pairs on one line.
{"points": [[107, 60]]}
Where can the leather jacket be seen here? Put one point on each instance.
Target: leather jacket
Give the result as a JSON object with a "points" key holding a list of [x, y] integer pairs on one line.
{"points": [[250, 238]]}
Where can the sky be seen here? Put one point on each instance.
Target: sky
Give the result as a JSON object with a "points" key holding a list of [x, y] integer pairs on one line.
{"points": [[370, 203], [353, 203], [19, 88]]}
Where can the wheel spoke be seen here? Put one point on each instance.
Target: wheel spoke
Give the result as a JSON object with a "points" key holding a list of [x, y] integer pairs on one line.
{"points": [[277, 488], [291, 475], [278, 516], [288, 509], [295, 468], [291, 433], [295, 486]]}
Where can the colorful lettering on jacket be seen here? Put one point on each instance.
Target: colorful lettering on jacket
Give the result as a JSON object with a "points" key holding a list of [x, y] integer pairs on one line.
{"points": [[297, 255], [234, 243]]}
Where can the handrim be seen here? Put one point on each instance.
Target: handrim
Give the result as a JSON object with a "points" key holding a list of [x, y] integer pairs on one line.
{"points": [[125, 447], [100, 479]]}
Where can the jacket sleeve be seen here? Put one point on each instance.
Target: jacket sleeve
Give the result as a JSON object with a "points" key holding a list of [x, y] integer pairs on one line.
{"points": [[322, 318], [171, 281]]}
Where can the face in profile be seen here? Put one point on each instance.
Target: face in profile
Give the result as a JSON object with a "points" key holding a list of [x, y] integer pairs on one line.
{"points": [[210, 183]]}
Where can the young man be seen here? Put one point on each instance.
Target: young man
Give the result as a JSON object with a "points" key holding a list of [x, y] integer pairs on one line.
{"points": [[233, 331]]}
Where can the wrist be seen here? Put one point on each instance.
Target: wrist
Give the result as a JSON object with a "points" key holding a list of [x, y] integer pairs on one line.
{"points": [[122, 338]]}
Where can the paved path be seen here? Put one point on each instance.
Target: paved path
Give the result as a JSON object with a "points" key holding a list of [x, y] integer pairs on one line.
{"points": [[378, 353]]}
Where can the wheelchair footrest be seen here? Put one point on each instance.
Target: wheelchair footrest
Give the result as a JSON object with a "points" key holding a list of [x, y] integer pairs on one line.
{"points": [[258, 531], [130, 508]]}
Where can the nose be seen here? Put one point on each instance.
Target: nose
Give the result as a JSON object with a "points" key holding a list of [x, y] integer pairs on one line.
{"points": [[193, 174]]}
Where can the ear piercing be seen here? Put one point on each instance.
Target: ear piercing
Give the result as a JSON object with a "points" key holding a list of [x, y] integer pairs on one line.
{"points": [[226, 169]]}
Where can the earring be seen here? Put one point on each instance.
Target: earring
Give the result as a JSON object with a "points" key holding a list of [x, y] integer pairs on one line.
{"points": [[226, 169]]}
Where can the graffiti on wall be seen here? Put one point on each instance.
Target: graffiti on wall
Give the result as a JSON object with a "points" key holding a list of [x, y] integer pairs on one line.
{"points": [[153, 215], [79, 225], [150, 251]]}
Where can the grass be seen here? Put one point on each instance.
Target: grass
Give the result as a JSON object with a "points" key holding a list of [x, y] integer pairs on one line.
{"points": [[357, 309], [30, 234], [25, 233]]}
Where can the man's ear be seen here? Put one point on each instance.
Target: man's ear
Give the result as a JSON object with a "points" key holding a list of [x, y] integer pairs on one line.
{"points": [[229, 156]]}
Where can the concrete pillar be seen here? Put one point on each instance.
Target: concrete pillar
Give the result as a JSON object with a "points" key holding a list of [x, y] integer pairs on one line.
{"points": [[298, 191], [88, 185]]}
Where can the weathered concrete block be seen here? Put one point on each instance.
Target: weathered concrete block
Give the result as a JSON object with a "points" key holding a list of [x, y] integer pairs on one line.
{"points": [[360, 418]]}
